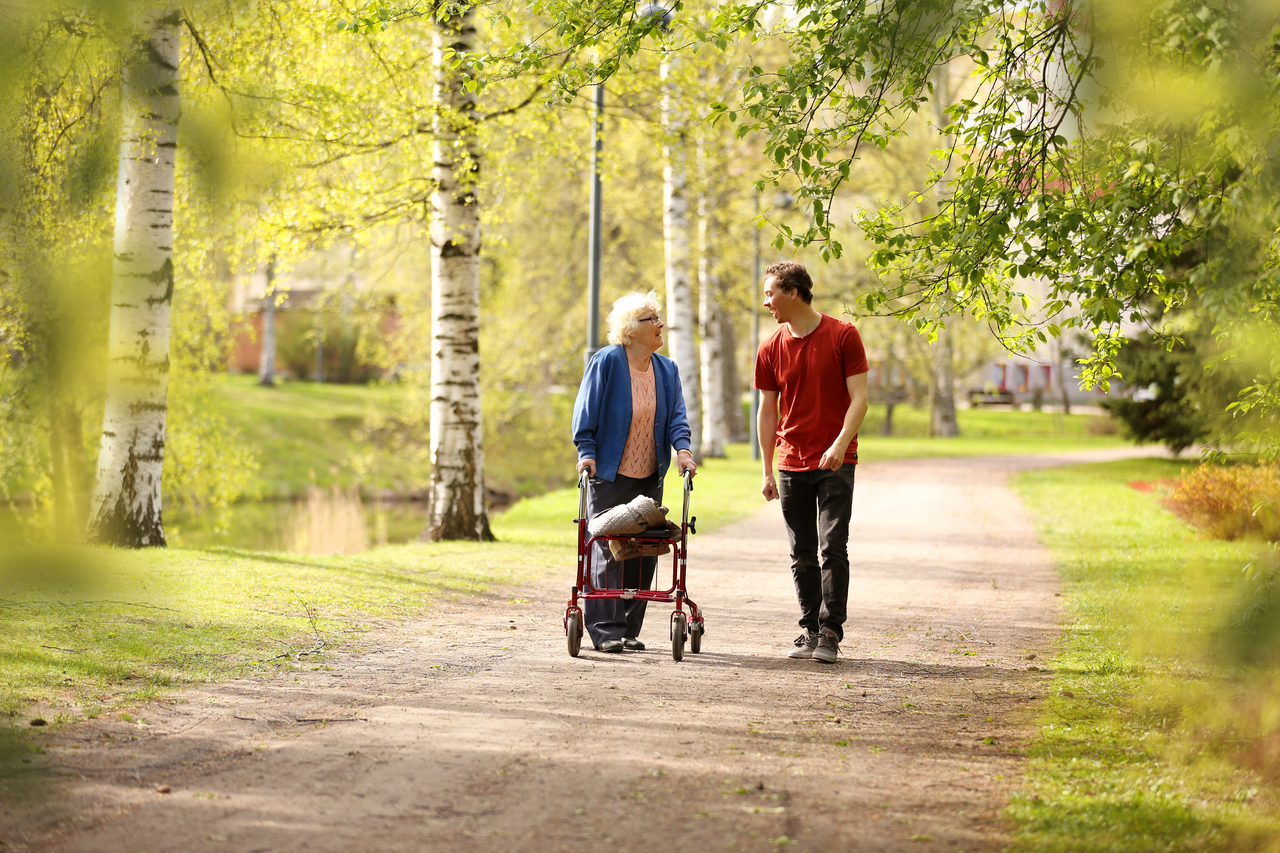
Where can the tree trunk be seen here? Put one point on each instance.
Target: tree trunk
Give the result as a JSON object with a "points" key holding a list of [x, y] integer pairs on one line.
{"points": [[1061, 366], [126, 508], [942, 408], [715, 431], [457, 509], [735, 420], [675, 234], [886, 428], [942, 397], [267, 358]]}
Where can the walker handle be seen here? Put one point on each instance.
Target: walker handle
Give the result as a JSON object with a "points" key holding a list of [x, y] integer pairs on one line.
{"points": [[688, 487]]}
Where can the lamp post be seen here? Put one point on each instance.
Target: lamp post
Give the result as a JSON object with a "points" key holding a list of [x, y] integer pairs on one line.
{"points": [[664, 17], [593, 230]]}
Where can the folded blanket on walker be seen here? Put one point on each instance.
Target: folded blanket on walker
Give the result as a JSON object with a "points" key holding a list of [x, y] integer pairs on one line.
{"points": [[641, 514]]}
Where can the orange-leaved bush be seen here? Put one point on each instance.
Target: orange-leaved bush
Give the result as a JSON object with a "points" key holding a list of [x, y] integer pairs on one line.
{"points": [[1230, 501]]}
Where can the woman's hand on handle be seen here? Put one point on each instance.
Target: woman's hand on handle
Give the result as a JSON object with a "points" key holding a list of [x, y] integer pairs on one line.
{"points": [[588, 465], [685, 460]]}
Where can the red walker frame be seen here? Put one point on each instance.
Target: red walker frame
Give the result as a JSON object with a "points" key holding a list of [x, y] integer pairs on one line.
{"points": [[682, 626]]}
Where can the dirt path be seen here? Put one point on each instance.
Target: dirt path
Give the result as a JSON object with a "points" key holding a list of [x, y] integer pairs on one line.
{"points": [[475, 731]]}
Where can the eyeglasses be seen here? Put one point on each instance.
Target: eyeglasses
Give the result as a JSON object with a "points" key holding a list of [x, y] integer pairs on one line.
{"points": [[655, 320]]}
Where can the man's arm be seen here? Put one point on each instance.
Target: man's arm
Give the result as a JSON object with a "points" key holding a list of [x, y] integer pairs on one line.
{"points": [[833, 458], [767, 431]]}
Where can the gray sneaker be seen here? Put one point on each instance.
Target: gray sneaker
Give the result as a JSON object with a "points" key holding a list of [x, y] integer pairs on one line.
{"points": [[803, 646], [828, 648]]}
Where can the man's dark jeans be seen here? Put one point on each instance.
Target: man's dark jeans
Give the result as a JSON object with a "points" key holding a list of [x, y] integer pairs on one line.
{"points": [[816, 506]]}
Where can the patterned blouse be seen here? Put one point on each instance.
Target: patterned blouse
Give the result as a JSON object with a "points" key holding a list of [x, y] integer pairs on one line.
{"points": [[639, 459]]}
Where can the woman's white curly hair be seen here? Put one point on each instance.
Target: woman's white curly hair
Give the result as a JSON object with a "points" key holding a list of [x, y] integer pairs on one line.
{"points": [[628, 313]]}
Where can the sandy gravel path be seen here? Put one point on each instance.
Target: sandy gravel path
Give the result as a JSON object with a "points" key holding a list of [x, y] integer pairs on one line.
{"points": [[474, 730]]}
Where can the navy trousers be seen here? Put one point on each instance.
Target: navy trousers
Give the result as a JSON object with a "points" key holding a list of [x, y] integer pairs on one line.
{"points": [[614, 618], [816, 506]]}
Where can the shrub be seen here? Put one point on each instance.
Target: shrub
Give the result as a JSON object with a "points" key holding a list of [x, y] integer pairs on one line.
{"points": [[1230, 501]]}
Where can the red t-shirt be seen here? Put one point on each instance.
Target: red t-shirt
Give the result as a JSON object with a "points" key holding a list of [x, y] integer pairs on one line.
{"points": [[810, 376]]}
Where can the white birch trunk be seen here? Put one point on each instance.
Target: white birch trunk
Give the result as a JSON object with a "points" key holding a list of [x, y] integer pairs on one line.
{"points": [[457, 509], [715, 429], [675, 234], [126, 508], [267, 357]]}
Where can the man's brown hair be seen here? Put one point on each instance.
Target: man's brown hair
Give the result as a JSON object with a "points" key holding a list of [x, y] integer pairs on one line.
{"points": [[792, 276]]}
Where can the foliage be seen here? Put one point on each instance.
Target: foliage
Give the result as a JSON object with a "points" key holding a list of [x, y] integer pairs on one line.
{"points": [[1099, 161], [1165, 409], [60, 97], [1155, 735], [299, 335], [1230, 501]]}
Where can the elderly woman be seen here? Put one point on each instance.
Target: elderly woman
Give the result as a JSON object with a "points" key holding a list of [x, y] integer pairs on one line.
{"points": [[628, 416]]}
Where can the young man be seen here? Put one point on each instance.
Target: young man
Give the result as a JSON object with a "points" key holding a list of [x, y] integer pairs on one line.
{"points": [[812, 376]]}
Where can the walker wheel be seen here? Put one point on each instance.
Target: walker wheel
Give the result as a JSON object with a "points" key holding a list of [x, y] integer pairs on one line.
{"points": [[695, 637], [573, 626], [679, 624]]}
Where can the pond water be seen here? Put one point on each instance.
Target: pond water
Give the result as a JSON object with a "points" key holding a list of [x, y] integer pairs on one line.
{"points": [[266, 526]]}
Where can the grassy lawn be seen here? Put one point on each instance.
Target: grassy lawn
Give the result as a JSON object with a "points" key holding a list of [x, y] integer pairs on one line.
{"points": [[306, 433], [1146, 741]]}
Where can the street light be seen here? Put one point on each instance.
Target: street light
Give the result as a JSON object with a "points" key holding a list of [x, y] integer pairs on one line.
{"points": [[784, 201], [664, 17], [593, 231]]}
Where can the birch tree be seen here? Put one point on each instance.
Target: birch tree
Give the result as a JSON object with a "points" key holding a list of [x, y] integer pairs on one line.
{"points": [[457, 509], [126, 504], [715, 426], [675, 237]]}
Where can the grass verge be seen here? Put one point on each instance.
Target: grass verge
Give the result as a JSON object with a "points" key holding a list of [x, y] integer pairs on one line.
{"points": [[1145, 743]]}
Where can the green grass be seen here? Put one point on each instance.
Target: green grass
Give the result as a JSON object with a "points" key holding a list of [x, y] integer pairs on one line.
{"points": [[306, 433], [86, 629], [1136, 747], [984, 432]]}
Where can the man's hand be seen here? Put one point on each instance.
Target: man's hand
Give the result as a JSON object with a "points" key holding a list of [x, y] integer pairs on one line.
{"points": [[684, 459], [589, 465], [833, 457], [770, 488]]}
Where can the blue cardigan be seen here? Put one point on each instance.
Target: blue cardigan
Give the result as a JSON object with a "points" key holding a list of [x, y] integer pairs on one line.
{"points": [[602, 412]]}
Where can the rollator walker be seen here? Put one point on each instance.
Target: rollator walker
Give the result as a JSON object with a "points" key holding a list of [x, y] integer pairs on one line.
{"points": [[683, 626]]}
